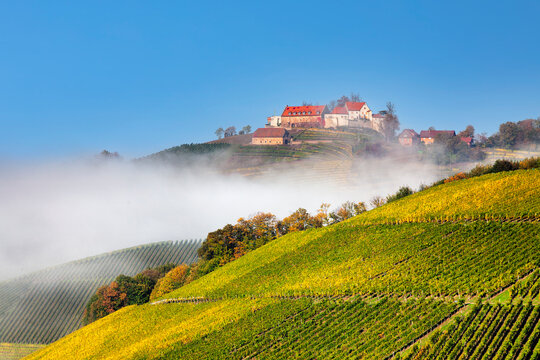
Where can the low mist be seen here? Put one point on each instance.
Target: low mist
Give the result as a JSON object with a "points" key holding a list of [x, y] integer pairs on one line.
{"points": [[61, 211]]}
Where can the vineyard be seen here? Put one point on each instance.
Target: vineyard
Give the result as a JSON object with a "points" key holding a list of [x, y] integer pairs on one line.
{"points": [[488, 332], [500, 196], [17, 351], [44, 306], [452, 272], [423, 259], [331, 328]]}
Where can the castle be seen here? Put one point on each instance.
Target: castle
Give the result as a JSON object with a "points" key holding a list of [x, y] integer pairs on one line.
{"points": [[351, 115]]}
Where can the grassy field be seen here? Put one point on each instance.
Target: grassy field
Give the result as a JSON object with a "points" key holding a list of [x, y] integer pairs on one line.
{"points": [[392, 282]]}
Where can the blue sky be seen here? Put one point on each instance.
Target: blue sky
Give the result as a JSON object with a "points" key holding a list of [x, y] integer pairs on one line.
{"points": [[136, 77]]}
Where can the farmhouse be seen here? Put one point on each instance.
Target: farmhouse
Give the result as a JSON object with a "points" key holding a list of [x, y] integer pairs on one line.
{"points": [[358, 111], [428, 136], [308, 116], [409, 137], [271, 136]]}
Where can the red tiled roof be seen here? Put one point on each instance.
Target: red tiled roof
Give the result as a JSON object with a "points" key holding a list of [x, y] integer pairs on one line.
{"points": [[339, 110], [466, 139], [354, 106], [308, 110], [270, 132], [433, 133], [408, 133], [380, 116]]}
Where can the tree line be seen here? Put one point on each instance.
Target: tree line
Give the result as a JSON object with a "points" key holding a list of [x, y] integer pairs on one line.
{"points": [[231, 131]]}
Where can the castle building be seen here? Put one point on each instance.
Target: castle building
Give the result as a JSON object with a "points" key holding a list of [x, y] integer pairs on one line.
{"points": [[308, 116], [338, 117], [271, 136], [352, 114], [358, 111]]}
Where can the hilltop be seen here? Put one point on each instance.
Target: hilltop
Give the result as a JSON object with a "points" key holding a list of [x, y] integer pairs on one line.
{"points": [[449, 272]]}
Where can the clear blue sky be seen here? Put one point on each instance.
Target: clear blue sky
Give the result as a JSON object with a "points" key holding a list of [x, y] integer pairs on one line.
{"points": [[136, 76]]}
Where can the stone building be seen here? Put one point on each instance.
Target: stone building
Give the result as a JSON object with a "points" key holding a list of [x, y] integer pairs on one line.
{"points": [[271, 136], [358, 111], [338, 117], [308, 116]]}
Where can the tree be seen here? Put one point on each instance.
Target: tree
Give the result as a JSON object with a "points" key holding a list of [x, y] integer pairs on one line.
{"points": [[246, 129], [354, 97], [347, 210], [297, 221], [390, 122], [322, 218], [331, 105], [402, 192], [171, 281], [230, 131], [468, 132], [219, 132], [377, 201], [307, 103], [508, 134]]}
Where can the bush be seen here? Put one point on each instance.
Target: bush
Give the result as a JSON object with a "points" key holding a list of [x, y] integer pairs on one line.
{"points": [[504, 165], [458, 176], [530, 163], [171, 281], [123, 291], [402, 192]]}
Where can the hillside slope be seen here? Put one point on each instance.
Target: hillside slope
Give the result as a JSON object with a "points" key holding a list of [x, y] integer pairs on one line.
{"points": [[390, 282], [43, 306]]}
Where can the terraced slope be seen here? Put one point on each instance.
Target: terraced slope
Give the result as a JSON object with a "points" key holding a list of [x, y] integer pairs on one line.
{"points": [[44, 306], [378, 286]]}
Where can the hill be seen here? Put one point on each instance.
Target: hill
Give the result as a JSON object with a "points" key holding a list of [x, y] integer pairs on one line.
{"points": [[450, 272], [319, 151], [43, 306]]}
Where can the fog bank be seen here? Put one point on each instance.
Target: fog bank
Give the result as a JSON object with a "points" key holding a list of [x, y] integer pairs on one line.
{"points": [[62, 211]]}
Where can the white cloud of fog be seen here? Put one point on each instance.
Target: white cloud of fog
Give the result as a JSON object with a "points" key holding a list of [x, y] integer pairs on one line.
{"points": [[57, 212]]}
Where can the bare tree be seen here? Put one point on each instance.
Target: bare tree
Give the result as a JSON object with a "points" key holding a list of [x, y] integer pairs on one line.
{"points": [[331, 105], [307, 103], [391, 122], [246, 129], [354, 97], [377, 201], [219, 132]]}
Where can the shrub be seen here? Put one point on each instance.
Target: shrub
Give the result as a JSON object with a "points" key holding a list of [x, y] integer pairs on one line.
{"points": [[123, 291], [402, 192], [503, 165], [530, 163], [458, 176], [171, 281]]}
